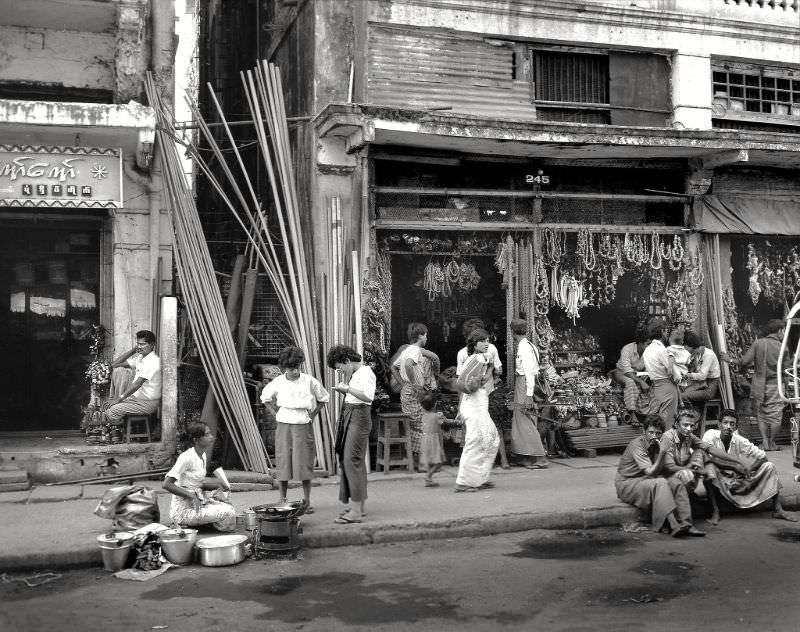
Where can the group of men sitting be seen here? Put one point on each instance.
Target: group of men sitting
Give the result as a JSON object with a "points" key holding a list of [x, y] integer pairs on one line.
{"points": [[659, 470], [695, 367]]}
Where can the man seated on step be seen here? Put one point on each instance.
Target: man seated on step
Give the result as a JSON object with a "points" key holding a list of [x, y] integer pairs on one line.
{"points": [[753, 481], [135, 381], [685, 454], [638, 483]]}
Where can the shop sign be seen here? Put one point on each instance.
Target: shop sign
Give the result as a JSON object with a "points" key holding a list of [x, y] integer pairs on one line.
{"points": [[60, 177]]}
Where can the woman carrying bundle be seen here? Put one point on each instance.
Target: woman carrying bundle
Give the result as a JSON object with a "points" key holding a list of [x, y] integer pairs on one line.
{"points": [[481, 440]]}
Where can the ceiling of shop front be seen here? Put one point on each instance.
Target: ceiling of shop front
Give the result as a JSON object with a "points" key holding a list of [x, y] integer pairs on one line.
{"points": [[758, 156]]}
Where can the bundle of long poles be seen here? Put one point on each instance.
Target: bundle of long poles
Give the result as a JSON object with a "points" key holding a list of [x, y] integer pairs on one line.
{"points": [[717, 313], [204, 301], [340, 291], [282, 256]]}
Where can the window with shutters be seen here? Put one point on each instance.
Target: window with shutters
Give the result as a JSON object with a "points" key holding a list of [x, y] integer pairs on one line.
{"points": [[600, 87]]}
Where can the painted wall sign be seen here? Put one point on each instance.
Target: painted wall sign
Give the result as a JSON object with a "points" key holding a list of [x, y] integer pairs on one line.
{"points": [[60, 177]]}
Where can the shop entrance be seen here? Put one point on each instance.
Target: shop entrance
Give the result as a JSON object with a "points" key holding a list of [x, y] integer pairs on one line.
{"points": [[49, 283]]}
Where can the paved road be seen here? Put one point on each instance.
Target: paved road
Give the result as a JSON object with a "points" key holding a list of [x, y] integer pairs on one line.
{"points": [[742, 576]]}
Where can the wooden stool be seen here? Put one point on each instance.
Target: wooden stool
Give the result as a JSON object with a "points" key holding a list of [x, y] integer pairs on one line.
{"points": [[144, 431], [710, 415], [393, 433]]}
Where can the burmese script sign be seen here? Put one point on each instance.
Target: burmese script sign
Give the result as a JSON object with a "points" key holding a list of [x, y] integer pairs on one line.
{"points": [[60, 177]]}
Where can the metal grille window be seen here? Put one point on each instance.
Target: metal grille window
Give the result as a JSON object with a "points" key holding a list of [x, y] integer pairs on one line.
{"points": [[570, 86], [749, 92]]}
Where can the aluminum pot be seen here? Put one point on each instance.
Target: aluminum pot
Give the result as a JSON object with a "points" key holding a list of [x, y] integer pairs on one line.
{"points": [[177, 545], [222, 550]]}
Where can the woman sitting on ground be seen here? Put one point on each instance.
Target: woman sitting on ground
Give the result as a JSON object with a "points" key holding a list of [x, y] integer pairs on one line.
{"points": [[189, 506]]}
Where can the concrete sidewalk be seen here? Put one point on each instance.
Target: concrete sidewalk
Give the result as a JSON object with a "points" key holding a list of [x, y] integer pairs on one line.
{"points": [[55, 527]]}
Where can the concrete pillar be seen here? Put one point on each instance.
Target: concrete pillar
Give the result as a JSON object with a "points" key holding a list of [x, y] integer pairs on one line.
{"points": [[691, 91]]}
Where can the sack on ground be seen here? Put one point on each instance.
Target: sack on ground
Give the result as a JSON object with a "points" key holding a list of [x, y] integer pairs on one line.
{"points": [[129, 507]]}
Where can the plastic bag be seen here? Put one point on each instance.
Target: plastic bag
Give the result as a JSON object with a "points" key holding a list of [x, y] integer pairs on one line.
{"points": [[129, 506]]}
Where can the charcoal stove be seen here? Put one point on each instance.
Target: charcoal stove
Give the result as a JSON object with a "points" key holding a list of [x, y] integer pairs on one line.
{"points": [[278, 528]]}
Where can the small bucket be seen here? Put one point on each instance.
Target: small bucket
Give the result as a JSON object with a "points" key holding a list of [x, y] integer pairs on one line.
{"points": [[602, 422], [250, 520], [613, 422], [239, 521], [115, 549]]}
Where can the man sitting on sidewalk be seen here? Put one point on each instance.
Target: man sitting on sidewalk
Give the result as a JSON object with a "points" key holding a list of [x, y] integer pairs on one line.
{"points": [[638, 483], [744, 486], [137, 392]]}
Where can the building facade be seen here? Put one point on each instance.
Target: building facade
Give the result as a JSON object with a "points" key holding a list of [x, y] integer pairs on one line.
{"points": [[446, 128], [85, 233]]}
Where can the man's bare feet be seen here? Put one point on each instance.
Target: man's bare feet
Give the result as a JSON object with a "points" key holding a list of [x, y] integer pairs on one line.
{"points": [[714, 520], [781, 514]]}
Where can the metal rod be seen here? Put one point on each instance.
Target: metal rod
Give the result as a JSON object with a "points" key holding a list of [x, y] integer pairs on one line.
{"points": [[182, 126], [522, 227], [109, 479]]}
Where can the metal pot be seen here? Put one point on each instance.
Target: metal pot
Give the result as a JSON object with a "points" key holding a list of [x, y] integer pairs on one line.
{"points": [[177, 545], [222, 550]]}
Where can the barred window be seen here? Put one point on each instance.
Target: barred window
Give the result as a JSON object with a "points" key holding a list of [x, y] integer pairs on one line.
{"points": [[571, 87], [600, 87]]}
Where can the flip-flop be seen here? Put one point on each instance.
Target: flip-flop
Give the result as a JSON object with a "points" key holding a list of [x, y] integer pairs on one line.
{"points": [[486, 485], [309, 510], [347, 511], [461, 488], [346, 520], [536, 466]]}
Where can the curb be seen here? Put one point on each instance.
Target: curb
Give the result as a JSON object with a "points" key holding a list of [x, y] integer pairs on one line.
{"points": [[387, 532], [376, 533]]}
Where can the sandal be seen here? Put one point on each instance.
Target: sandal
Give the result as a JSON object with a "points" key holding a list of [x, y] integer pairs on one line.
{"points": [[486, 485], [431, 484], [346, 520], [464, 488]]}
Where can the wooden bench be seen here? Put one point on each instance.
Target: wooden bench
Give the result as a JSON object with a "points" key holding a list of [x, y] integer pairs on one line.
{"points": [[587, 441]]}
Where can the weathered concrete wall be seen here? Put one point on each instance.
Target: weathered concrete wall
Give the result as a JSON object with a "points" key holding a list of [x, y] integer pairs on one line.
{"points": [[69, 58], [690, 32]]}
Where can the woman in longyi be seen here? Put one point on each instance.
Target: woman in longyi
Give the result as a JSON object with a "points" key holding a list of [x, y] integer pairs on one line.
{"points": [[481, 440]]}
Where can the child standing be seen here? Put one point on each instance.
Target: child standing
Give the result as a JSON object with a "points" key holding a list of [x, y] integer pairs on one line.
{"points": [[299, 398], [431, 454]]}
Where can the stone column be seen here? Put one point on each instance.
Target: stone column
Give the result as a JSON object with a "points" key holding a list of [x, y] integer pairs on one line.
{"points": [[691, 91]]}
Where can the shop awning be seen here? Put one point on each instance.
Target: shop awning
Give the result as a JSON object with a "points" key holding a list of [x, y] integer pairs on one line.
{"points": [[745, 215]]}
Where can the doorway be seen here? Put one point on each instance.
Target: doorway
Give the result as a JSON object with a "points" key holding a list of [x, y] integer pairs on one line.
{"points": [[49, 299]]}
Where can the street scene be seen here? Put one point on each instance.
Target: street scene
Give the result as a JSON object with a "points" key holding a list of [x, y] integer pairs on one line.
{"points": [[350, 314]]}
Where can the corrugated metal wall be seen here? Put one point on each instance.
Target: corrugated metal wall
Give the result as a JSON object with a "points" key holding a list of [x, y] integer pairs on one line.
{"points": [[412, 68]]}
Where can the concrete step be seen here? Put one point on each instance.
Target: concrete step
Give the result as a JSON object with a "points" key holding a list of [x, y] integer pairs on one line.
{"points": [[15, 487], [13, 475], [13, 479]]}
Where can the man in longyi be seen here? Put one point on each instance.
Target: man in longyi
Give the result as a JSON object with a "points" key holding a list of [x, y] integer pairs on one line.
{"points": [[747, 485], [638, 483], [630, 363], [660, 366]]}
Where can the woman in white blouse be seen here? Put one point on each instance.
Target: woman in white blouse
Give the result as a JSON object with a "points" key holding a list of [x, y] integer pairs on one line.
{"points": [[352, 433], [299, 398], [189, 507]]}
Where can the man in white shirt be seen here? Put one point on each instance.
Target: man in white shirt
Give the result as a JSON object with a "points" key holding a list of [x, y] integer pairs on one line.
{"points": [[660, 365], [525, 439], [702, 380], [139, 393]]}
